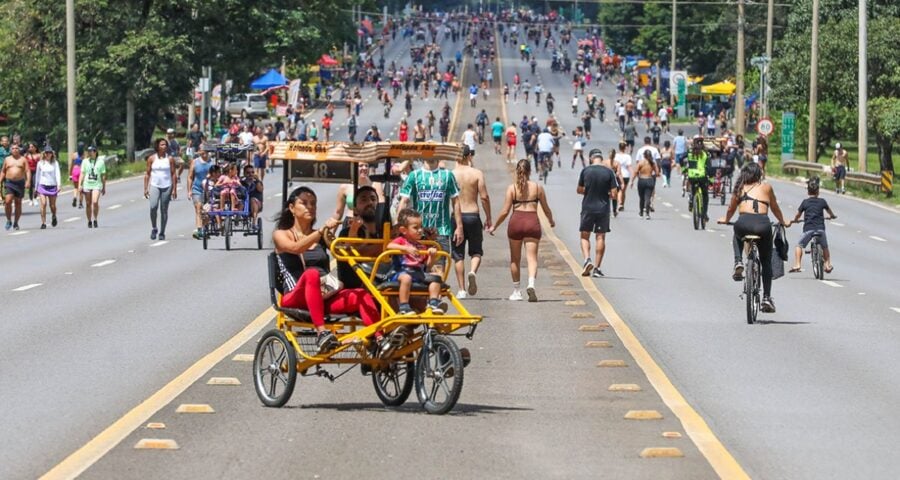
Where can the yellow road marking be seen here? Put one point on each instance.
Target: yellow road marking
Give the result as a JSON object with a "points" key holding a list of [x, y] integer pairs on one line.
{"points": [[598, 344], [643, 415], [156, 425], [223, 381], [671, 435], [97, 447], [574, 303], [661, 452], [624, 387], [612, 364], [709, 445], [194, 408], [590, 328], [157, 444]]}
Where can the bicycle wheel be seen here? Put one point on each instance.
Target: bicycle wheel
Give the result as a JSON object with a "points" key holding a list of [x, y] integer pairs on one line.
{"points": [[439, 375], [818, 262], [274, 363], [394, 383], [722, 193], [751, 285], [695, 209]]}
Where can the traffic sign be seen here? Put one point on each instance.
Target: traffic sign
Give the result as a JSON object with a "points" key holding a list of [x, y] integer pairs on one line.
{"points": [[788, 124], [765, 126]]}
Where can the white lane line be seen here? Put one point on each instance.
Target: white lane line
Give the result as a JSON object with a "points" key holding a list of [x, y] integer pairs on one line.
{"points": [[667, 204], [836, 224], [873, 237], [27, 287], [861, 293], [896, 309], [684, 215], [21, 232], [69, 273], [104, 263], [278, 194], [710, 230], [73, 219], [114, 207], [159, 243], [832, 284]]}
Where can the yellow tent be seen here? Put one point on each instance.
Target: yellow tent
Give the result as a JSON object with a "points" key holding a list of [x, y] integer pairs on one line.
{"points": [[721, 88]]}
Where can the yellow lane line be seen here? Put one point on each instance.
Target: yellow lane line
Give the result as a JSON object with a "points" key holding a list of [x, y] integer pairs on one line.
{"points": [[79, 461], [709, 445], [462, 91]]}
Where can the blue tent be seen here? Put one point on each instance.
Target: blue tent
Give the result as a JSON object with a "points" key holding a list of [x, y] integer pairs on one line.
{"points": [[271, 79]]}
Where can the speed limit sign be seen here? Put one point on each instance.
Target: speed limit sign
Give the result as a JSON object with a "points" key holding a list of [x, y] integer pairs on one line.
{"points": [[765, 126]]}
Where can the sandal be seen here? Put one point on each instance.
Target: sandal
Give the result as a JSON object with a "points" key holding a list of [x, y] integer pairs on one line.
{"points": [[795, 270], [829, 269]]}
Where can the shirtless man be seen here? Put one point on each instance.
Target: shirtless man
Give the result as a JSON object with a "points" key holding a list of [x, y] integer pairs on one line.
{"points": [[471, 188], [839, 166], [261, 156], [14, 175]]}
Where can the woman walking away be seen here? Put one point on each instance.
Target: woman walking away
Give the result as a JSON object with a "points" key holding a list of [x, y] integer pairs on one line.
{"points": [[522, 199], [665, 162], [159, 187], [48, 182], [303, 261], [32, 157], [754, 220], [646, 172]]}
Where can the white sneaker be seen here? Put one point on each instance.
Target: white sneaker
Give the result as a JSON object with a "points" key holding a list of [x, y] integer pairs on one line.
{"points": [[461, 294], [516, 296]]}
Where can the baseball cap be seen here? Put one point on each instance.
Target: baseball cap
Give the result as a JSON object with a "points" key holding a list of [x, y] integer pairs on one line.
{"points": [[171, 130], [837, 145], [92, 148], [596, 152], [48, 149]]}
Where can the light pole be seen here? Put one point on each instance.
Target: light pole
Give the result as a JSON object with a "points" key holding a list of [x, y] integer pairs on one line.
{"points": [[672, 62], [862, 132], [813, 84], [739, 81], [71, 119]]}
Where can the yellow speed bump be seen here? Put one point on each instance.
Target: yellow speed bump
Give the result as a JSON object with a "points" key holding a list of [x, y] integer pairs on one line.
{"points": [[590, 328], [643, 415], [223, 381], [242, 357], [671, 435], [598, 344], [583, 315], [559, 274], [624, 387], [156, 425], [568, 293], [156, 444], [661, 452], [612, 363], [562, 283], [574, 303], [194, 408]]}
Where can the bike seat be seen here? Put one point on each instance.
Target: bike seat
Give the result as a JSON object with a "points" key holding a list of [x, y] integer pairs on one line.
{"points": [[750, 238]]}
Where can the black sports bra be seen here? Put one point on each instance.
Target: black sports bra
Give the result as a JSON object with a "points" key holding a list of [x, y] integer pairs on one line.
{"points": [[516, 201], [745, 197]]}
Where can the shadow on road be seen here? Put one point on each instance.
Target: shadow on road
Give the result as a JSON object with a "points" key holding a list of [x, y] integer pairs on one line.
{"points": [[776, 322], [461, 409]]}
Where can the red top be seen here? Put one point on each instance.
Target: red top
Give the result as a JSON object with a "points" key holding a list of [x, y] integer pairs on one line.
{"points": [[404, 132], [412, 261], [33, 160]]}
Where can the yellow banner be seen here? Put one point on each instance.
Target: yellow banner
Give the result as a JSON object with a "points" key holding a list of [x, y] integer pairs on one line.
{"points": [[363, 152]]}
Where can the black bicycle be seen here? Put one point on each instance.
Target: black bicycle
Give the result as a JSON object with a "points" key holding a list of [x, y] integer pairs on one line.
{"points": [[695, 206]]}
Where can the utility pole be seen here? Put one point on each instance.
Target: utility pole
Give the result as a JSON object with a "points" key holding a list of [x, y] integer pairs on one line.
{"points": [[71, 118], [813, 84], [764, 89], [672, 63], [739, 81], [204, 96], [863, 132]]}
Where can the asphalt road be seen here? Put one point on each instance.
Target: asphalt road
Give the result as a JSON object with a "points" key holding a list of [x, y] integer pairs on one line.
{"points": [[810, 393], [806, 394]]}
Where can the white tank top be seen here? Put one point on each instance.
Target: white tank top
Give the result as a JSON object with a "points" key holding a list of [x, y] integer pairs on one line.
{"points": [[161, 172]]}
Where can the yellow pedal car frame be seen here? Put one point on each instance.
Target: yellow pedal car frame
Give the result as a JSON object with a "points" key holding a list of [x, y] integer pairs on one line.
{"points": [[421, 352]]}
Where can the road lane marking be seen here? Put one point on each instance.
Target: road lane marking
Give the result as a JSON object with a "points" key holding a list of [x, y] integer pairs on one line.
{"points": [[97, 447], [873, 237], [684, 215], [21, 232], [896, 309], [27, 287], [104, 263], [832, 284], [159, 243], [73, 219], [115, 207], [156, 444], [836, 224], [667, 204]]}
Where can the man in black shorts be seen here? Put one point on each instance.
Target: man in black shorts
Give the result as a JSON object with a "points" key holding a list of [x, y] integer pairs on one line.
{"points": [[598, 185], [472, 189]]}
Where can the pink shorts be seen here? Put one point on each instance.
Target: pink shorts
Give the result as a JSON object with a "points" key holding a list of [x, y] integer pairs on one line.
{"points": [[76, 174]]}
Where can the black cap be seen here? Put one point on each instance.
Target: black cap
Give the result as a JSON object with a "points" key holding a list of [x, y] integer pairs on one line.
{"points": [[92, 148], [48, 149], [596, 152]]}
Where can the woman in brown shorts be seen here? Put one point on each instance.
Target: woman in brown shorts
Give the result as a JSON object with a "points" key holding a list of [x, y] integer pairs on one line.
{"points": [[522, 199]]}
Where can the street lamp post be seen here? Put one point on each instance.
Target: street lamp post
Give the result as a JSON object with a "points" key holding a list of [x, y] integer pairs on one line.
{"points": [[71, 119]]}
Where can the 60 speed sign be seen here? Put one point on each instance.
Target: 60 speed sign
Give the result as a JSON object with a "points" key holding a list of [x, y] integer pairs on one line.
{"points": [[765, 126]]}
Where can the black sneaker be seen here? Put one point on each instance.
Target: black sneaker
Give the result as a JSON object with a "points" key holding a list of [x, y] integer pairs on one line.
{"points": [[436, 307], [162, 236], [326, 341], [15, 226], [90, 224], [597, 273], [43, 226], [95, 224], [587, 267], [153, 234], [53, 222], [405, 310], [738, 274], [74, 203], [767, 305]]}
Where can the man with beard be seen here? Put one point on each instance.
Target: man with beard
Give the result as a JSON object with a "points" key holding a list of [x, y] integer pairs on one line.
{"points": [[14, 175], [363, 224]]}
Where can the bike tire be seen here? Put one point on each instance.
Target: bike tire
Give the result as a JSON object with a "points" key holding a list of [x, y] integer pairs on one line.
{"points": [[818, 261], [444, 362], [695, 210]]}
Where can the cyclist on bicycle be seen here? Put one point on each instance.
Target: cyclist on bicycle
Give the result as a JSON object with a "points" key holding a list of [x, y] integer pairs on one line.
{"points": [[697, 174], [754, 220], [481, 120], [545, 150], [813, 209]]}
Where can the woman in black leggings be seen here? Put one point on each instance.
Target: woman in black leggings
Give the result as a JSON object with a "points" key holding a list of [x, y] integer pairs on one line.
{"points": [[753, 199], [645, 172]]}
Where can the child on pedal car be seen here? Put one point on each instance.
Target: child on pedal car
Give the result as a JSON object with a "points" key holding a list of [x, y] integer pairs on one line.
{"points": [[228, 184], [411, 267]]}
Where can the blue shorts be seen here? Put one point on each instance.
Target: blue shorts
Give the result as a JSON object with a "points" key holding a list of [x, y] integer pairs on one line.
{"points": [[808, 236]]}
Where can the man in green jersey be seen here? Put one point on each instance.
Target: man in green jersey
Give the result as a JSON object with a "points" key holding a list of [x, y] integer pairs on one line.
{"points": [[433, 192], [696, 173]]}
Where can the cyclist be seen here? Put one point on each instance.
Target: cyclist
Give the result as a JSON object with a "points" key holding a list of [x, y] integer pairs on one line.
{"points": [[545, 152], [813, 210], [481, 120], [754, 220], [697, 174]]}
